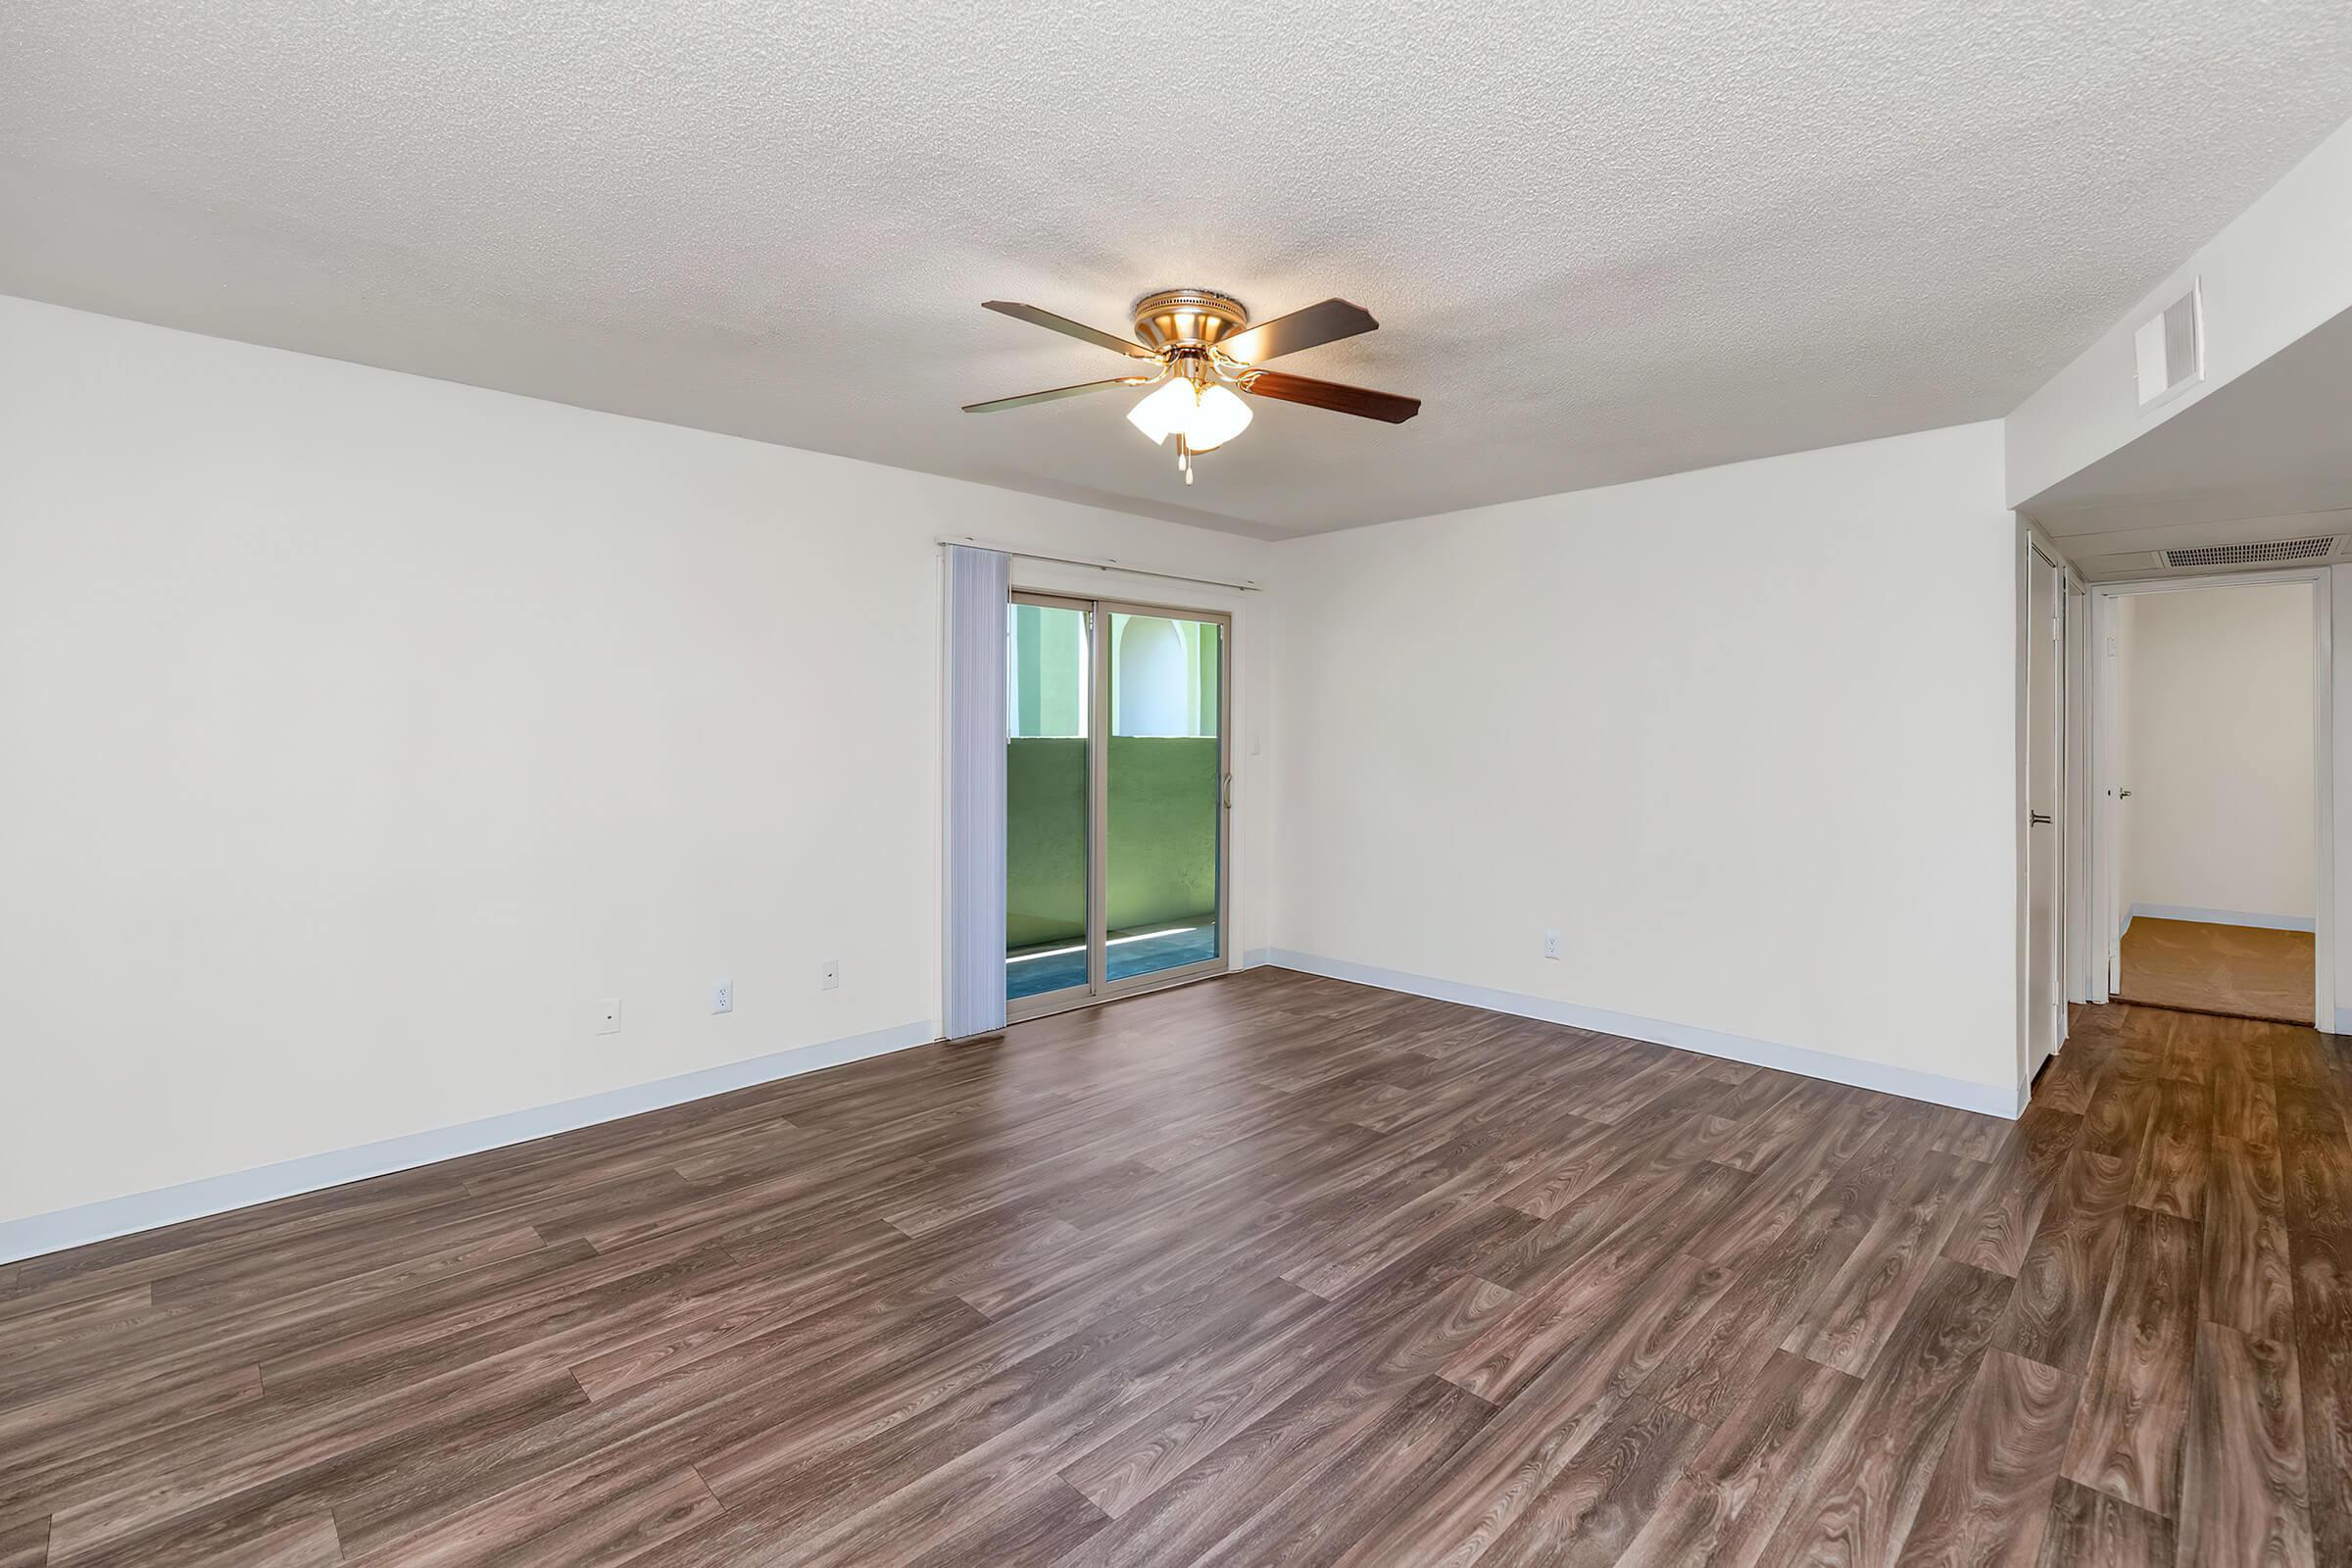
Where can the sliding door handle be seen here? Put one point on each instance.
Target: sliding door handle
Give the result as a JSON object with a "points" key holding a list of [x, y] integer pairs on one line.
{"points": [[1225, 791]]}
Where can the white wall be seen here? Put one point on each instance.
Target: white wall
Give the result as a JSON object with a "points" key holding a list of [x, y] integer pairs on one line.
{"points": [[1746, 737], [2219, 760], [357, 731], [2280, 268]]}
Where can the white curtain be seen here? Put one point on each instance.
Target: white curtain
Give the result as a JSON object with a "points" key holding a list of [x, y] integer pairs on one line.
{"points": [[975, 686]]}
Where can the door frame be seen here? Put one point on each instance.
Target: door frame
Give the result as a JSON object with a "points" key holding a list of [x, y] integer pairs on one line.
{"points": [[2107, 769], [1098, 987], [2082, 920], [2035, 551]]}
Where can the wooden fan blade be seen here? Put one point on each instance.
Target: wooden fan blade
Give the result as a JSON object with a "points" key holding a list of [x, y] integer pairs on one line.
{"points": [[1326, 322], [1028, 398], [1067, 327], [1359, 401]]}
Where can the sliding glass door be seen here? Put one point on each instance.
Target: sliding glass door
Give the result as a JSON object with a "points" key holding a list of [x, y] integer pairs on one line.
{"points": [[1116, 798], [1048, 707], [1162, 853]]}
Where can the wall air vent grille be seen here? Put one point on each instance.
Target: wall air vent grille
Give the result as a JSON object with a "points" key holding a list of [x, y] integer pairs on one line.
{"points": [[2169, 348], [2240, 555]]}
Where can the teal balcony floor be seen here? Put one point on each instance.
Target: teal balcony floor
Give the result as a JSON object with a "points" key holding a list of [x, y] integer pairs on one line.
{"points": [[1032, 974]]}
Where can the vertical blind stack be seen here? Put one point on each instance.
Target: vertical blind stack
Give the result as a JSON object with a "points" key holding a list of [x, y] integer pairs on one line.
{"points": [[977, 585]]}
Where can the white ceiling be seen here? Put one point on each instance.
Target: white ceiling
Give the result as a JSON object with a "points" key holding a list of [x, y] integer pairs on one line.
{"points": [[1607, 240], [2266, 457]]}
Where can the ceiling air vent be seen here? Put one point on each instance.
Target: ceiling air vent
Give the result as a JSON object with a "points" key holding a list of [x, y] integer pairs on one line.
{"points": [[2240, 555]]}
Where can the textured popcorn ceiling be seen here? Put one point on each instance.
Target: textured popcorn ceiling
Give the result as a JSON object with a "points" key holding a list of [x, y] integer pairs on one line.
{"points": [[1607, 240]]}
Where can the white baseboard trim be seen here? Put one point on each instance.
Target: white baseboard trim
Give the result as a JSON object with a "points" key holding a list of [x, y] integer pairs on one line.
{"points": [[2181, 911], [1991, 1099], [1256, 958], [109, 1217]]}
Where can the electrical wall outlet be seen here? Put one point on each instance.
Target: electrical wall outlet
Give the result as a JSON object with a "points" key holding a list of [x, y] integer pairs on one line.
{"points": [[1551, 944], [608, 1016], [832, 980], [722, 997]]}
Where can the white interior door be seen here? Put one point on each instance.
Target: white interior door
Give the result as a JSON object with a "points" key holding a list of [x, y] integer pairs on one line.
{"points": [[2114, 805], [2084, 958], [2046, 590]]}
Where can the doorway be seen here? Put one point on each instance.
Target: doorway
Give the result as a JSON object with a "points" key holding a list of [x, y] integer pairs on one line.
{"points": [[2213, 842], [1118, 787]]}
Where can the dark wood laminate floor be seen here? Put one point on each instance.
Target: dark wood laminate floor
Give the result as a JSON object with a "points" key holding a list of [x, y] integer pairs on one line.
{"points": [[2243, 971], [1266, 1270]]}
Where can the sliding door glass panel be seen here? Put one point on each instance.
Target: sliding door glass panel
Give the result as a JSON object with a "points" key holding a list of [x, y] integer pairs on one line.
{"points": [[1164, 820], [1046, 775]]}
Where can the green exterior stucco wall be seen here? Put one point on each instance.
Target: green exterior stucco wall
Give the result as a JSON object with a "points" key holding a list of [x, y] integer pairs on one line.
{"points": [[1164, 835]]}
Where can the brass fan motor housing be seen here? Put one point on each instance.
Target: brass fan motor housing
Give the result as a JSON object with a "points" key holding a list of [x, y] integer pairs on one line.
{"points": [[1194, 318]]}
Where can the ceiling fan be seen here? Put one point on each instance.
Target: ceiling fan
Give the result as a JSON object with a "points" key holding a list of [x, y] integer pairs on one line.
{"points": [[1203, 351]]}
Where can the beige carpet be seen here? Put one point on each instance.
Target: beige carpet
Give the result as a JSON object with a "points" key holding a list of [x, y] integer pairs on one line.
{"points": [[2233, 969]]}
